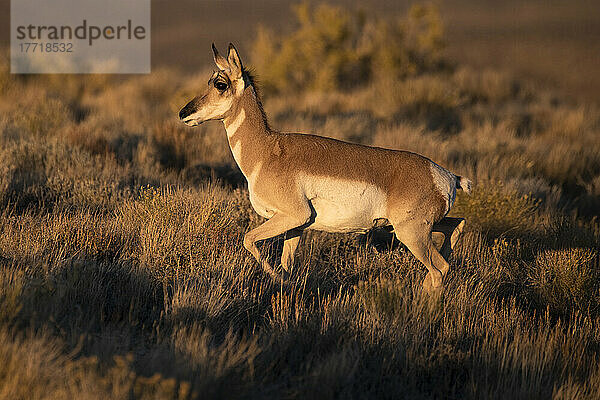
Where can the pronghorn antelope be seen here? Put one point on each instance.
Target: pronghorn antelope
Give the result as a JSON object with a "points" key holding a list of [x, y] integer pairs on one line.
{"points": [[300, 181]]}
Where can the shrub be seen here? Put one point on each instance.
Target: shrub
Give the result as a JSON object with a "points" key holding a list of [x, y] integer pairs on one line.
{"points": [[567, 279], [43, 116], [332, 48], [44, 174], [498, 210]]}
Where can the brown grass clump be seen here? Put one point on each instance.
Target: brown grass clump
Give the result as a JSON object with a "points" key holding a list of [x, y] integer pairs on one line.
{"points": [[122, 269]]}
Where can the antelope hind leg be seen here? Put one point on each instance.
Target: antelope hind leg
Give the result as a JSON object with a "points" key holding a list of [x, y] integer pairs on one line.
{"points": [[418, 240], [446, 233]]}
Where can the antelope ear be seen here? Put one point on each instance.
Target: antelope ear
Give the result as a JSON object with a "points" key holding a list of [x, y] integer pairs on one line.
{"points": [[235, 64], [219, 59]]}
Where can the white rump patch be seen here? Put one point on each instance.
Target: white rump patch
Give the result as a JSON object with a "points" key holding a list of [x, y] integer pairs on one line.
{"points": [[445, 181], [232, 127]]}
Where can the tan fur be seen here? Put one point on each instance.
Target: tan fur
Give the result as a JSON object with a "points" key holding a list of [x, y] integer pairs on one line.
{"points": [[303, 181]]}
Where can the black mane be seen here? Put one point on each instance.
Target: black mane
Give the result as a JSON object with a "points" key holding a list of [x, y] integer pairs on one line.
{"points": [[250, 80]]}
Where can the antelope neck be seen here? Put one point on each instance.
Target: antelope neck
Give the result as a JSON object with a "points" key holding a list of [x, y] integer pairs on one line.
{"points": [[247, 132]]}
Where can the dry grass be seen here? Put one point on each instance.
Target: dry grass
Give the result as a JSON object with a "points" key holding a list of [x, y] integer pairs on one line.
{"points": [[123, 275]]}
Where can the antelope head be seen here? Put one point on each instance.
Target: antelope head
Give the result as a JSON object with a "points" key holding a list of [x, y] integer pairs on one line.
{"points": [[225, 87]]}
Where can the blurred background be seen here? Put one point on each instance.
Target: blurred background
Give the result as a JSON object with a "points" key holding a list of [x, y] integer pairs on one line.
{"points": [[554, 42]]}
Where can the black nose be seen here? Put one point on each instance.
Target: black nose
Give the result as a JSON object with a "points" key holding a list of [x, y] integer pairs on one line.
{"points": [[185, 112]]}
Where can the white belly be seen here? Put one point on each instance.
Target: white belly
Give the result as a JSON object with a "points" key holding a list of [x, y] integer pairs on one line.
{"points": [[339, 205], [342, 205], [338, 217]]}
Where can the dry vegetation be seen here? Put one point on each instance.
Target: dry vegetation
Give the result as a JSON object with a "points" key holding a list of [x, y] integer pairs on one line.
{"points": [[123, 275]]}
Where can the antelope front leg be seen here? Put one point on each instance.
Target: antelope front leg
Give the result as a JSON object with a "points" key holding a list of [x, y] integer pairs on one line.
{"points": [[278, 224]]}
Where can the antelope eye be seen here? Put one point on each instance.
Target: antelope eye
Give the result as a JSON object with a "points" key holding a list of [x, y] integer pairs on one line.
{"points": [[221, 86]]}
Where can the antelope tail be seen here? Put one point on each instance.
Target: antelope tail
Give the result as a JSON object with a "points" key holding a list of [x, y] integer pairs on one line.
{"points": [[464, 184]]}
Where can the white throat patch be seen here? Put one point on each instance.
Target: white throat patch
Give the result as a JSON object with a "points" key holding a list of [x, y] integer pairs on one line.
{"points": [[232, 127]]}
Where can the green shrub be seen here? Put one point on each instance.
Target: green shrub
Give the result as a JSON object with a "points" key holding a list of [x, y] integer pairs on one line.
{"points": [[332, 48]]}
